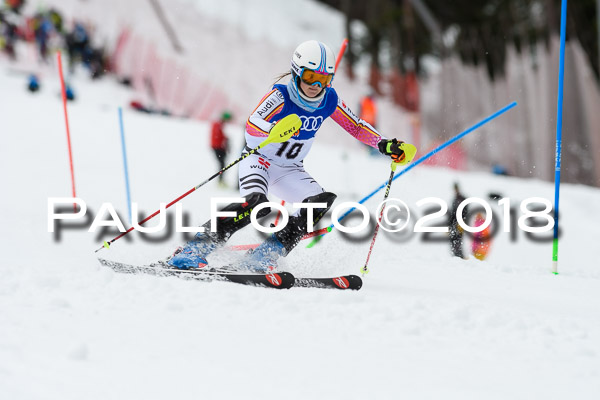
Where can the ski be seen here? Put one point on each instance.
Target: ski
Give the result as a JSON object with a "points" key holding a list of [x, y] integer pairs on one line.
{"points": [[346, 282], [276, 280]]}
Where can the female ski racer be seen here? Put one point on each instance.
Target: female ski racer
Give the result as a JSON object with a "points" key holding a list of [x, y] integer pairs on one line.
{"points": [[278, 168]]}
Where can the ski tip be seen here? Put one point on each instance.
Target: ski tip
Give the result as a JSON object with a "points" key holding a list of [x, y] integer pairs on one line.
{"points": [[347, 282], [287, 280], [354, 281]]}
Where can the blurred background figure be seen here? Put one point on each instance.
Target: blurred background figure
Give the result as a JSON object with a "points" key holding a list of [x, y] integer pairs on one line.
{"points": [[33, 83], [456, 232], [8, 33], [481, 240], [42, 28], [219, 142], [77, 42], [138, 106], [367, 111], [499, 169], [69, 92], [14, 5]]}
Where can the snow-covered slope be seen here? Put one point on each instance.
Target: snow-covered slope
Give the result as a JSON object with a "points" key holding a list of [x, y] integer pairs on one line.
{"points": [[425, 325]]}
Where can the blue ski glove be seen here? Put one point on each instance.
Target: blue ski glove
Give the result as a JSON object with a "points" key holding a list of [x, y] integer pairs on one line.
{"points": [[402, 153]]}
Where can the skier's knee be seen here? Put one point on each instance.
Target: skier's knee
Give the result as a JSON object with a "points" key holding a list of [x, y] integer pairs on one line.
{"points": [[254, 199], [325, 197]]}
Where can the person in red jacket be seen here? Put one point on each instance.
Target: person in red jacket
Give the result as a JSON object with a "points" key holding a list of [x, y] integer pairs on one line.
{"points": [[368, 113], [219, 142], [368, 109]]}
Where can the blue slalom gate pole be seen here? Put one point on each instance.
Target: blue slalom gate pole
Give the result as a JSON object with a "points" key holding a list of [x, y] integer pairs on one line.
{"points": [[125, 163], [561, 75], [419, 161]]}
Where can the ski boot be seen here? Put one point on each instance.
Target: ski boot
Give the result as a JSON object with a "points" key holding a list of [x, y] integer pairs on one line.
{"points": [[193, 254], [263, 259]]}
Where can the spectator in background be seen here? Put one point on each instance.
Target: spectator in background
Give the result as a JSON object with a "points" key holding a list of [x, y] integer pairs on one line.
{"points": [[33, 83], [456, 232], [42, 28], [77, 41], [15, 5], [499, 169], [8, 34], [368, 113], [56, 19], [219, 142], [80, 48]]}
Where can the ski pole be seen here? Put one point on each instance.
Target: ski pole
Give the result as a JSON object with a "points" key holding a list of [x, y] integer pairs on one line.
{"points": [[365, 270], [419, 161], [281, 132]]}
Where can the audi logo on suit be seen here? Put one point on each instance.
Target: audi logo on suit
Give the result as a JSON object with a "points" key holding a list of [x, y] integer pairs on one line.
{"points": [[311, 123]]}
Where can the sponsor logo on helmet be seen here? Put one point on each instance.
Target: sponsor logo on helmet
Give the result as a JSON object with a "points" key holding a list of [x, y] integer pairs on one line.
{"points": [[341, 282], [311, 123], [297, 54]]}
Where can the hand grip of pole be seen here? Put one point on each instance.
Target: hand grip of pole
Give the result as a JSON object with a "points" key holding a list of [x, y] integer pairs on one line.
{"points": [[410, 150], [409, 154], [283, 130]]}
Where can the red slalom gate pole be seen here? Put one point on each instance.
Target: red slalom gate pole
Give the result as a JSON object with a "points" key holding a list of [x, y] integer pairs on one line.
{"points": [[341, 53], [64, 99], [279, 213]]}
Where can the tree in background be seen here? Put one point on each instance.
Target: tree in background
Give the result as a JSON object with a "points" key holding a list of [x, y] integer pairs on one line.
{"points": [[478, 31]]}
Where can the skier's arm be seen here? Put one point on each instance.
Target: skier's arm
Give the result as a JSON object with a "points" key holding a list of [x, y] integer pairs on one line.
{"points": [[355, 126], [259, 124], [399, 151]]}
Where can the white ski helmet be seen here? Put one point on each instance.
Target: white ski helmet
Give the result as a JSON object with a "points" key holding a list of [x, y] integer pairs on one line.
{"points": [[314, 62]]}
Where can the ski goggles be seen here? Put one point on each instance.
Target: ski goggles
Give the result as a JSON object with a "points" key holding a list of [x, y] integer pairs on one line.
{"points": [[311, 78]]}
